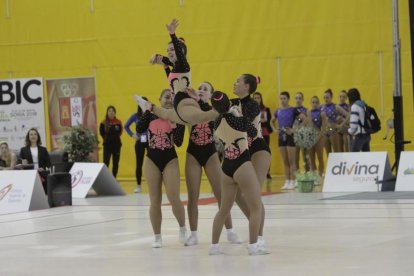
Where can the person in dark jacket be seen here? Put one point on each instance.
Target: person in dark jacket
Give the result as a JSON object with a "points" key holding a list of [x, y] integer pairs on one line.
{"points": [[110, 130], [141, 144], [265, 117], [34, 156]]}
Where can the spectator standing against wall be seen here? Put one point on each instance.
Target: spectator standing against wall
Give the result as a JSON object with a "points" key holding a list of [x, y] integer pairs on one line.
{"points": [[265, 117], [110, 130], [141, 144]]}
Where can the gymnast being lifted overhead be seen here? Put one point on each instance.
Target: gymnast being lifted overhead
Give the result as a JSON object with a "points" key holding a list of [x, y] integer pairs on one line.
{"points": [[186, 101]]}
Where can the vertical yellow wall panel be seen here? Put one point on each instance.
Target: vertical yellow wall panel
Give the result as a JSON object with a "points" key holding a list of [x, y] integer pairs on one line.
{"points": [[321, 44]]}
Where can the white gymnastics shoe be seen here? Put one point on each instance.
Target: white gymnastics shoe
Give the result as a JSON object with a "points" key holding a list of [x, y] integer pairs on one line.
{"points": [[254, 249], [183, 235], [215, 250], [286, 185], [157, 243], [192, 240], [233, 238]]}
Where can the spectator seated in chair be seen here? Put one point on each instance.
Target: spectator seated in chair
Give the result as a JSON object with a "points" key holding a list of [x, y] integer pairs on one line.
{"points": [[34, 156], [7, 157]]}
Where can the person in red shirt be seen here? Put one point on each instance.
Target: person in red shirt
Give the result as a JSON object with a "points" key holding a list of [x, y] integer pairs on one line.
{"points": [[110, 130]]}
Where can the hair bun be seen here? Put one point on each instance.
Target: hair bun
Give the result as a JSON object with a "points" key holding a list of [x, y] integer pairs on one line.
{"points": [[258, 80], [181, 39]]}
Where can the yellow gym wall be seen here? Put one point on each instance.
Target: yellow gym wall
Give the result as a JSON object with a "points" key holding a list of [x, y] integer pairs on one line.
{"points": [[294, 45]]}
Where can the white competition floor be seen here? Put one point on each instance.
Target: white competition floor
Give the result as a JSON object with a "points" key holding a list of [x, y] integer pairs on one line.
{"points": [[306, 235]]}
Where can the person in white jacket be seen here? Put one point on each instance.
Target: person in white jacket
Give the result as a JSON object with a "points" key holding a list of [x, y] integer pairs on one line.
{"points": [[361, 139]]}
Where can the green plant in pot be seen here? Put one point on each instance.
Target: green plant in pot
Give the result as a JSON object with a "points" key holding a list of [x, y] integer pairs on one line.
{"points": [[305, 137], [79, 143]]}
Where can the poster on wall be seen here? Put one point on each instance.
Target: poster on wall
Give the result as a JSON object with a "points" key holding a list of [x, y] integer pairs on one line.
{"points": [[21, 108], [72, 102]]}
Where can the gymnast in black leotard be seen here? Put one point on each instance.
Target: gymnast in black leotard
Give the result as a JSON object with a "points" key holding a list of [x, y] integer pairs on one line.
{"points": [[238, 173], [244, 86], [161, 164], [186, 107], [251, 110], [201, 153], [179, 75], [163, 135], [201, 143]]}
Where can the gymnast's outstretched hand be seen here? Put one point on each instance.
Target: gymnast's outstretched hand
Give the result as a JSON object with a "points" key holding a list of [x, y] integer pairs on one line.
{"points": [[192, 93], [156, 59], [172, 26]]}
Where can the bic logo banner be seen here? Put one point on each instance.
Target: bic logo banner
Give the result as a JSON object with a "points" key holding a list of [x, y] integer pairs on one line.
{"points": [[18, 91], [21, 108], [405, 177], [355, 172]]}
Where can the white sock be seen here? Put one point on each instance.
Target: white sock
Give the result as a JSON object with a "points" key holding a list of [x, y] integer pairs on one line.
{"points": [[183, 229], [157, 237], [194, 234], [229, 230], [259, 238]]}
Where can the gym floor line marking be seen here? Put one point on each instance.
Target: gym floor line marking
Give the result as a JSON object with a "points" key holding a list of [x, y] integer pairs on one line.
{"points": [[62, 228]]}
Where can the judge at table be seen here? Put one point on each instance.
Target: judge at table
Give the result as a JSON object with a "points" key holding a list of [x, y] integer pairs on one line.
{"points": [[34, 156]]}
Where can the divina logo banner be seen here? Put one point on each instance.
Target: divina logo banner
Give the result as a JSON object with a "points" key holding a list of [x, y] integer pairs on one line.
{"points": [[344, 168], [356, 172]]}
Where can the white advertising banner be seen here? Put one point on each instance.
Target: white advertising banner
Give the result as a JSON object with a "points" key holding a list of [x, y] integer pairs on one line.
{"points": [[405, 176], [356, 171], [21, 108], [93, 175], [21, 191]]}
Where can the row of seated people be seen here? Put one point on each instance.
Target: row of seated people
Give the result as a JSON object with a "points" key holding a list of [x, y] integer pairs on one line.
{"points": [[31, 156]]}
